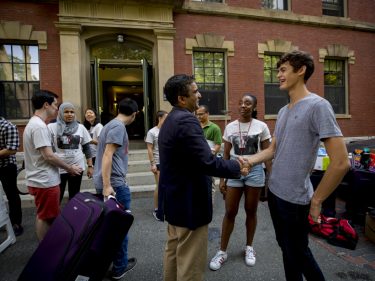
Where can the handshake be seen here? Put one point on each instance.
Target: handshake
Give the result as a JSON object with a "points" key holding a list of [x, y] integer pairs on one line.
{"points": [[245, 165]]}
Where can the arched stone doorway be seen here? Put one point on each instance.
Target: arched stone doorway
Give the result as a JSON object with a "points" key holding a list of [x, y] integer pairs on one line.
{"points": [[121, 67], [148, 25]]}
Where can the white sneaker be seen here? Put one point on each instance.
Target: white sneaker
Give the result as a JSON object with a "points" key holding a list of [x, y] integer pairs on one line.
{"points": [[218, 260], [250, 256]]}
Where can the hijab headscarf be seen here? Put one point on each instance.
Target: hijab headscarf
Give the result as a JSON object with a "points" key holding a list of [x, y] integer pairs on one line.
{"points": [[64, 128]]}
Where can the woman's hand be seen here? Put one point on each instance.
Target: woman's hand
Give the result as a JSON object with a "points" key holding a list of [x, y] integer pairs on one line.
{"points": [[223, 187]]}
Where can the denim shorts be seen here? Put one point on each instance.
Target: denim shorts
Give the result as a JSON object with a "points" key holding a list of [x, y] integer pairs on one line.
{"points": [[255, 178]]}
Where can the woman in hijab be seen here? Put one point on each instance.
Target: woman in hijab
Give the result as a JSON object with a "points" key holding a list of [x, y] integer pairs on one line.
{"points": [[72, 144]]}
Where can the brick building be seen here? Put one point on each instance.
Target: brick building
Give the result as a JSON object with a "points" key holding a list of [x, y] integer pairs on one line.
{"points": [[93, 53]]}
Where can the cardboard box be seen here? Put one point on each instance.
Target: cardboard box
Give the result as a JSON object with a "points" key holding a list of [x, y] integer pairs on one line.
{"points": [[370, 228], [321, 163]]}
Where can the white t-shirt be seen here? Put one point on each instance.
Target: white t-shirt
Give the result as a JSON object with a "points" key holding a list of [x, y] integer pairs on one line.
{"points": [[94, 133], [69, 148], [152, 137], [246, 137], [39, 173]]}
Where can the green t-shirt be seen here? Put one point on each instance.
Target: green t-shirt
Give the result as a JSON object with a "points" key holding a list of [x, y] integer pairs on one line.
{"points": [[212, 133]]}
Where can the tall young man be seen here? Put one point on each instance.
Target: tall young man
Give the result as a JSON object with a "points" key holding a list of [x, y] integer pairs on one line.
{"points": [[41, 163], [110, 171], [185, 199], [301, 125]]}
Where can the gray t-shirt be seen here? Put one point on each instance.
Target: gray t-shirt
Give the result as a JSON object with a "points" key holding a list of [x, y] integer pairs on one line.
{"points": [[298, 133], [113, 133]]}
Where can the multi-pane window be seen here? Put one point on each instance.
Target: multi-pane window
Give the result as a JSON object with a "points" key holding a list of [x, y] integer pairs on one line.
{"points": [[273, 96], [275, 4], [334, 84], [19, 79], [333, 8], [209, 73]]}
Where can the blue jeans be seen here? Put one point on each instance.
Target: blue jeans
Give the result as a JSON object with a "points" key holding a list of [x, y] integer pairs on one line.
{"points": [[120, 262], [291, 228]]}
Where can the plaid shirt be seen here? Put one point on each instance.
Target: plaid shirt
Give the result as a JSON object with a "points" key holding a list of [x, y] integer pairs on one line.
{"points": [[9, 139]]}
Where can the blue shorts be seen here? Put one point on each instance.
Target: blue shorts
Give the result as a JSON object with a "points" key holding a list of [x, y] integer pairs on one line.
{"points": [[255, 178]]}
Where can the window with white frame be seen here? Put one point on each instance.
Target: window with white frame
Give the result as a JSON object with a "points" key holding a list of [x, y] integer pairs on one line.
{"points": [[333, 8], [275, 4], [209, 73], [19, 79], [274, 98], [334, 84]]}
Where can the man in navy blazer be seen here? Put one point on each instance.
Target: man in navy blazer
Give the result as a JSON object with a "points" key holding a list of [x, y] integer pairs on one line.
{"points": [[186, 167]]}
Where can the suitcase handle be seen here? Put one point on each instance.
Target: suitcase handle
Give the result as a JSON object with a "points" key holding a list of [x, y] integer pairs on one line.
{"points": [[109, 197]]}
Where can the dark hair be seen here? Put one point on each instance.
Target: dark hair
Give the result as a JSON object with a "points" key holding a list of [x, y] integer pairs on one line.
{"points": [[41, 97], [297, 59], [177, 85], [205, 107], [254, 114], [159, 114], [127, 106], [86, 123]]}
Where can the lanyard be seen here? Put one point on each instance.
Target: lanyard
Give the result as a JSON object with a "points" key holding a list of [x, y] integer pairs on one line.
{"points": [[242, 141]]}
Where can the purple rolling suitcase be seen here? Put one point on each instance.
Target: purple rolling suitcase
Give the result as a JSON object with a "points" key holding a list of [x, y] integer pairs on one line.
{"points": [[81, 242]]}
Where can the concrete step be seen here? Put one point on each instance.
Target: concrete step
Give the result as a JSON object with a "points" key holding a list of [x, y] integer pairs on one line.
{"points": [[140, 179], [134, 155], [87, 185], [138, 155], [137, 181], [138, 166]]}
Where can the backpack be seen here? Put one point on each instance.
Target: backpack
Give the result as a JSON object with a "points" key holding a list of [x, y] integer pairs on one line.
{"points": [[338, 232]]}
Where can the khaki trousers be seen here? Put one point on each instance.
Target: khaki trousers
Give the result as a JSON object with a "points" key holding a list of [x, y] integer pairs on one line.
{"points": [[185, 254]]}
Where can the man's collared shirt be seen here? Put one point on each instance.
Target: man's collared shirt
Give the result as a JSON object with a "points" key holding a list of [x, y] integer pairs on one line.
{"points": [[9, 139]]}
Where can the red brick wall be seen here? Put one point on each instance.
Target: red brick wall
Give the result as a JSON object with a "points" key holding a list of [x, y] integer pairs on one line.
{"points": [[307, 7], [42, 18], [363, 10], [245, 69]]}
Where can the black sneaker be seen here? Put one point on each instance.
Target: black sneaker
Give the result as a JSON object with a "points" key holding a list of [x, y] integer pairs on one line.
{"points": [[17, 229], [131, 264]]}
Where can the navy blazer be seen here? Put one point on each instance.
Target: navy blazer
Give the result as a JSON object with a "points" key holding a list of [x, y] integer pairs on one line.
{"points": [[186, 164]]}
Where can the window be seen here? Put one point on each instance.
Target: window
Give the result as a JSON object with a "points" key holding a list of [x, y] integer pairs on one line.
{"points": [[273, 96], [209, 73], [19, 79], [275, 4], [333, 8], [334, 84]]}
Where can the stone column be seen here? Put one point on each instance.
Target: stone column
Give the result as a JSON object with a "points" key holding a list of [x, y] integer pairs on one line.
{"points": [[70, 52], [164, 65]]}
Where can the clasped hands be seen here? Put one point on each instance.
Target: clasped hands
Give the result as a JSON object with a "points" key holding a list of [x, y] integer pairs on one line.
{"points": [[245, 165]]}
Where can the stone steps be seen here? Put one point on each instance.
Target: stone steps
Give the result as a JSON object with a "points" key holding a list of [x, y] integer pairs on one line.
{"points": [[139, 177]]}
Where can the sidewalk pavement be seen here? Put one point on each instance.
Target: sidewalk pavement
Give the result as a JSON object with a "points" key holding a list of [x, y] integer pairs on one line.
{"points": [[147, 239]]}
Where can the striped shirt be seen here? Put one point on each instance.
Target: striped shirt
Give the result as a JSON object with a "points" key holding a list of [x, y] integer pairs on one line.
{"points": [[9, 139]]}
